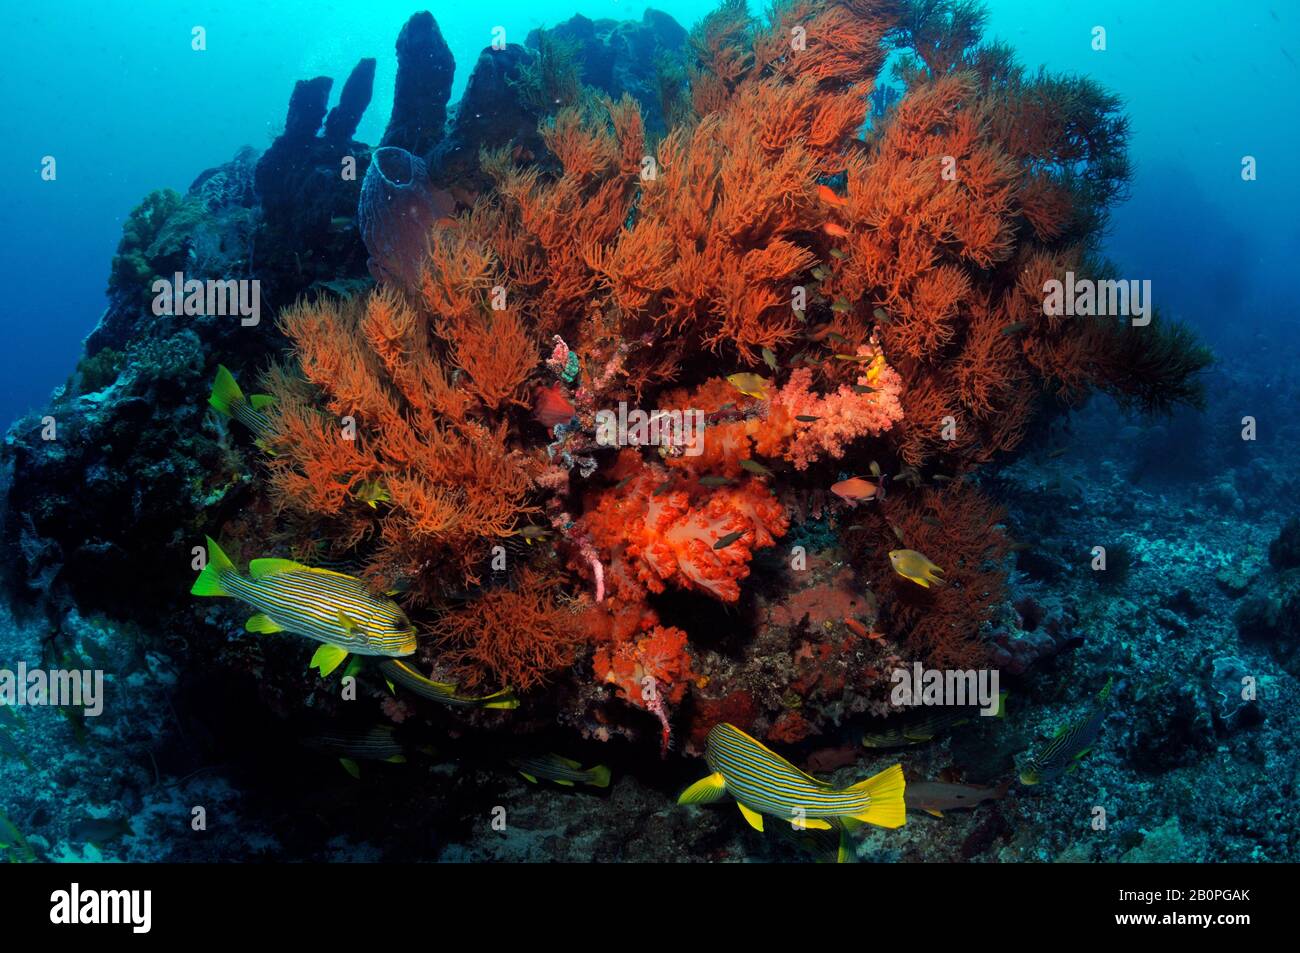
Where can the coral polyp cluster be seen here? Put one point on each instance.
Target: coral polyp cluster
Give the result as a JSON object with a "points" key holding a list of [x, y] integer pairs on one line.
{"points": [[834, 294]]}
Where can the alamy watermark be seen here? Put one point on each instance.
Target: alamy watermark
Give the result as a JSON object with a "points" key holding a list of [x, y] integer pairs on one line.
{"points": [[1084, 297], [678, 430], [946, 687], [133, 908], [59, 688], [193, 297]]}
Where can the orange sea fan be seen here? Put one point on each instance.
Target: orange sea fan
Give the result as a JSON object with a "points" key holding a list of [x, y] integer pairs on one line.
{"points": [[515, 635], [959, 529]]}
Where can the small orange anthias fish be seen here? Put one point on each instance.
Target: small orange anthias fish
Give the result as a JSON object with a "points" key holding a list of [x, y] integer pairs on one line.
{"points": [[829, 196], [552, 406], [835, 231], [856, 490]]}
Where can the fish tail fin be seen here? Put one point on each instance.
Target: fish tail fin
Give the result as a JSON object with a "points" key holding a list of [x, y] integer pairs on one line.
{"points": [[211, 579], [505, 699], [887, 808], [599, 776], [225, 392]]}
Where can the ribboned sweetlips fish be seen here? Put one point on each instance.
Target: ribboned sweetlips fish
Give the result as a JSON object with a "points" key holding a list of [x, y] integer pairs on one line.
{"points": [[338, 610]]}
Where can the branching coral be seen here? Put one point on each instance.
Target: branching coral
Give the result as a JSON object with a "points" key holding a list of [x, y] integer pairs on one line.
{"points": [[958, 529], [390, 415], [515, 634], [884, 284]]}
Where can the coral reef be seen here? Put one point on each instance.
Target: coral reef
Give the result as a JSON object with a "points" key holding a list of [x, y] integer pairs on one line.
{"points": [[621, 222]]}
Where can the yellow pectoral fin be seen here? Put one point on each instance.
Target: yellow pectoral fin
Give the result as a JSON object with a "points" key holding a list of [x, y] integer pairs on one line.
{"points": [[810, 824], [263, 624], [564, 782], [932, 812], [755, 819], [350, 625], [261, 401], [396, 759], [261, 568], [327, 658], [704, 791], [528, 777], [351, 767]]}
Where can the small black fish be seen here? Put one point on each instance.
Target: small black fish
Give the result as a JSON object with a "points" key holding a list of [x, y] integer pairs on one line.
{"points": [[727, 540], [863, 389], [663, 488], [716, 481], [880, 314], [100, 830], [753, 466], [1013, 328], [806, 418]]}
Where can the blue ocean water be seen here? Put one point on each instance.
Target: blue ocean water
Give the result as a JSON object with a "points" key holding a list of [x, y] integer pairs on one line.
{"points": [[117, 96]]}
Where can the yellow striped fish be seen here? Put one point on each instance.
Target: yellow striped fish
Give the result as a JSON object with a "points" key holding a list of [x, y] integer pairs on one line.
{"points": [[1070, 744], [914, 728], [377, 743], [445, 692], [762, 782], [564, 771], [332, 608], [229, 401]]}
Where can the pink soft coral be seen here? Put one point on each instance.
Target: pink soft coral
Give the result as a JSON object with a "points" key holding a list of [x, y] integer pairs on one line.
{"points": [[739, 426], [841, 416]]}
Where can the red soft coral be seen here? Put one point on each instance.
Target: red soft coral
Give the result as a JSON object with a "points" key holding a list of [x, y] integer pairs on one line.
{"points": [[654, 663], [665, 534]]}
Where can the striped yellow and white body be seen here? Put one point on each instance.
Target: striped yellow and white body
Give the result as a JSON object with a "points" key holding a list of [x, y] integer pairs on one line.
{"points": [[1064, 750], [335, 609], [402, 673], [563, 771], [229, 400], [378, 743], [764, 783]]}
